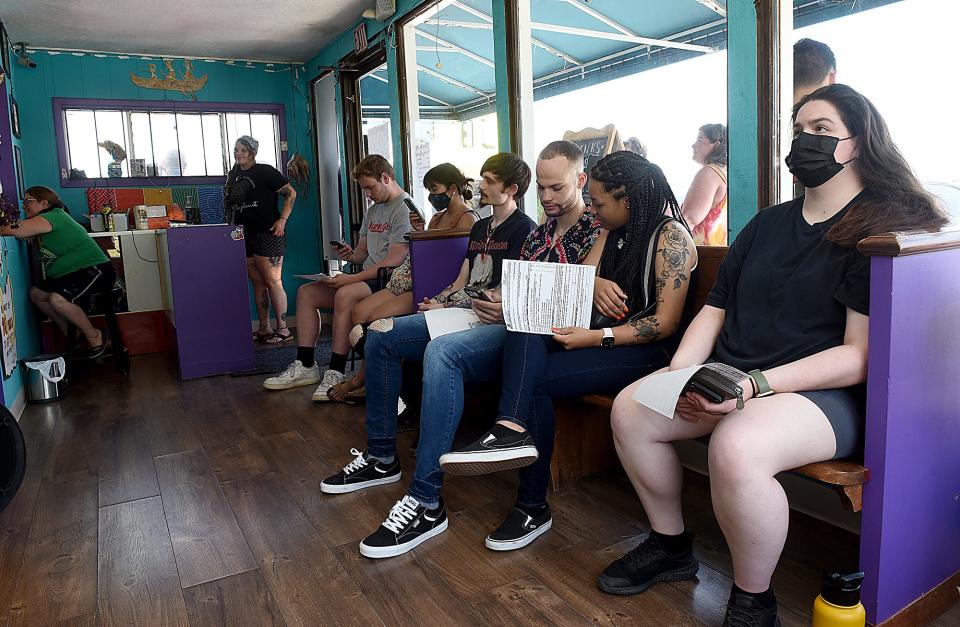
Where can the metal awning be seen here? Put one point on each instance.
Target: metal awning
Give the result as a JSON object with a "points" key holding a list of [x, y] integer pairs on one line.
{"points": [[576, 43]]}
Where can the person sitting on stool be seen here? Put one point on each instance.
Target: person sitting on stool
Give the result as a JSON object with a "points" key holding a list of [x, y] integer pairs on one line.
{"points": [[74, 266]]}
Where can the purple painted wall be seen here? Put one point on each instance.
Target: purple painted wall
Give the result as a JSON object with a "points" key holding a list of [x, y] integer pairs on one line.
{"points": [[910, 529], [208, 276], [435, 263]]}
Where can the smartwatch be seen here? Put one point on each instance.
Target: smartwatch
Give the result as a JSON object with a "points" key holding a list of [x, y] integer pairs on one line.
{"points": [[608, 339], [760, 382]]}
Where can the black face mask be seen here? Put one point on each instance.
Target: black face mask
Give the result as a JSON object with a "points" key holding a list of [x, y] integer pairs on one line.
{"points": [[439, 201], [811, 158]]}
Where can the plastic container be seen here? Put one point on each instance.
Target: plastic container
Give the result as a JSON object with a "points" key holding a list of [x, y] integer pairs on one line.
{"points": [[45, 377], [96, 222], [838, 604], [120, 221]]}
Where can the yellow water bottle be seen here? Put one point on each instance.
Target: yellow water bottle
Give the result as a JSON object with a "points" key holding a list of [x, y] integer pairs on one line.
{"points": [[839, 602]]}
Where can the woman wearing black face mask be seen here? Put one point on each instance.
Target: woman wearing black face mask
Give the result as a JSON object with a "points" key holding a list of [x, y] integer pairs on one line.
{"points": [[790, 307], [448, 188]]}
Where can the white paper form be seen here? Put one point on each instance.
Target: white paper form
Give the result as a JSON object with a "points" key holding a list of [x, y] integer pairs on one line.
{"points": [[660, 392], [538, 296], [450, 320]]}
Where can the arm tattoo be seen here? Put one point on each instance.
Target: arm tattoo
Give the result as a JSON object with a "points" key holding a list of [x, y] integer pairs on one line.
{"points": [[675, 254]]}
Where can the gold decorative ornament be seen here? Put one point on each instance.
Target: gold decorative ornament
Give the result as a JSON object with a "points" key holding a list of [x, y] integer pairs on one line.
{"points": [[187, 85]]}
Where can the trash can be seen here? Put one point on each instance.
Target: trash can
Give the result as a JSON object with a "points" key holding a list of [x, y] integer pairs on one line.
{"points": [[44, 376]]}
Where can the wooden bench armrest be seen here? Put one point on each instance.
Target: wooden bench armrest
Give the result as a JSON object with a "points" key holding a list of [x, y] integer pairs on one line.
{"points": [[903, 243]]}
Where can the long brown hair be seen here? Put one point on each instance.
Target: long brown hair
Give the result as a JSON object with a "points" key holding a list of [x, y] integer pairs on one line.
{"points": [[894, 199], [45, 193]]}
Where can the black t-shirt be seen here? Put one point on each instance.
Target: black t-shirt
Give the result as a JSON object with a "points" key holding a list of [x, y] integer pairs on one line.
{"points": [[251, 197], [487, 249], [786, 289]]}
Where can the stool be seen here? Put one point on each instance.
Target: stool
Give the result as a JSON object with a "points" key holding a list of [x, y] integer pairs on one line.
{"points": [[105, 303]]}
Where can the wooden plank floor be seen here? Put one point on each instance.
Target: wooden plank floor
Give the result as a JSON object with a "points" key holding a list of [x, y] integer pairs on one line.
{"points": [[159, 502]]}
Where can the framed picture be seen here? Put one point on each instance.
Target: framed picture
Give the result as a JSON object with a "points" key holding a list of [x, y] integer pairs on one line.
{"points": [[14, 116], [18, 163]]}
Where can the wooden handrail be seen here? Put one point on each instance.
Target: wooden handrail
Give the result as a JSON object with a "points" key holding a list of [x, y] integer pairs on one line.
{"points": [[903, 243], [417, 236]]}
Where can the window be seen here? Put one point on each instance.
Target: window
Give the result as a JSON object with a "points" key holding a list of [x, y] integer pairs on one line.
{"points": [[134, 142]]}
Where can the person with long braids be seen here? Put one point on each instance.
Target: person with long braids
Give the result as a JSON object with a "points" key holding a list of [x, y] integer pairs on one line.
{"points": [[250, 198], [645, 258], [790, 307]]}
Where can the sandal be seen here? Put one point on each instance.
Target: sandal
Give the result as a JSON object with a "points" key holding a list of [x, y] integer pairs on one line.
{"points": [[262, 337], [347, 391], [279, 338]]}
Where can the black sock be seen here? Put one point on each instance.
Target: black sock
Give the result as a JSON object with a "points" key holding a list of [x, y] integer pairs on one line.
{"points": [[305, 355], [680, 543], [338, 362], [765, 598]]}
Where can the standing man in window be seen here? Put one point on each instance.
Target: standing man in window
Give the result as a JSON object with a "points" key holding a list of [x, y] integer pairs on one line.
{"points": [[250, 198], [814, 66], [381, 245]]}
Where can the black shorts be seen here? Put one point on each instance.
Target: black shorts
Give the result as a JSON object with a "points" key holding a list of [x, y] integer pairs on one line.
{"points": [[846, 409], [373, 284], [265, 244], [77, 286]]}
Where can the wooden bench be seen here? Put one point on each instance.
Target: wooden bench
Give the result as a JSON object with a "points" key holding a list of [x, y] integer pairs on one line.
{"points": [[908, 500], [584, 441]]}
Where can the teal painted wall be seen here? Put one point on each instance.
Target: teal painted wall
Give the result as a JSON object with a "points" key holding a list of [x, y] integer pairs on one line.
{"points": [[742, 117], [15, 261], [88, 76]]}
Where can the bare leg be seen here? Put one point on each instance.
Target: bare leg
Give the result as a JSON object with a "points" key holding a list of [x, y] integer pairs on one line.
{"points": [[643, 440], [260, 296], [343, 303], [747, 449], [42, 301], [310, 298], [270, 271], [78, 317]]}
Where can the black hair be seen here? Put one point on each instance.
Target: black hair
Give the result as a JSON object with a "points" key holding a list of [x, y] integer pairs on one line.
{"points": [[717, 134], [510, 170], [625, 174], [566, 149], [447, 174], [812, 61]]}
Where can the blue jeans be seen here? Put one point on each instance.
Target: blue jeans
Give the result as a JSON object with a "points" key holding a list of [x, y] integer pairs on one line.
{"points": [[536, 369], [448, 362]]}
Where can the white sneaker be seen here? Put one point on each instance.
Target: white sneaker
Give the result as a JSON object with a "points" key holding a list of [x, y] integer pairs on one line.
{"points": [[295, 375], [330, 379]]}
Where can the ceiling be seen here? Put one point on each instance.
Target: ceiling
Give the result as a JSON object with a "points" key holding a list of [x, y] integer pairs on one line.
{"points": [[275, 30]]}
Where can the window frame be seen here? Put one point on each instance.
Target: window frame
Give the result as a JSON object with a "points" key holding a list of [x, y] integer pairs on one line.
{"points": [[60, 105]]}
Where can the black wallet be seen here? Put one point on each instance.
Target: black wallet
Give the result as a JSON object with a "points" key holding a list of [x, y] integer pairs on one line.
{"points": [[718, 382]]}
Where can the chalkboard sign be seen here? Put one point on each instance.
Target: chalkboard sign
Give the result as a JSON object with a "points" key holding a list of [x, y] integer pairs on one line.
{"points": [[595, 144]]}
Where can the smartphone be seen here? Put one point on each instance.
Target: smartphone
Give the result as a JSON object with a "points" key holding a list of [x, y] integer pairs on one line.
{"points": [[336, 244], [704, 391], [474, 292]]}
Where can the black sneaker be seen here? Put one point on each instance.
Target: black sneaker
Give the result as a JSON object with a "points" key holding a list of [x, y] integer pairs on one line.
{"points": [[500, 448], [645, 565], [744, 610], [408, 525], [519, 530], [363, 472]]}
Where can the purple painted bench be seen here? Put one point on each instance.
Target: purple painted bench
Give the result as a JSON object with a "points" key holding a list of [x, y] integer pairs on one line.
{"points": [[435, 260], [909, 480]]}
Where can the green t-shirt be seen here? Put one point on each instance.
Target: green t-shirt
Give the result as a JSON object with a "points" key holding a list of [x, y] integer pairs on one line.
{"points": [[68, 247]]}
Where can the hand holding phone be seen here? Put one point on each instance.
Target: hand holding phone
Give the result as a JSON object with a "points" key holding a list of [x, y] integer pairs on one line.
{"points": [[336, 244], [475, 292]]}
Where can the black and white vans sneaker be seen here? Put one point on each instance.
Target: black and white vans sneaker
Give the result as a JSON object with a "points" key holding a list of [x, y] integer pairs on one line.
{"points": [[363, 472], [519, 530], [500, 448], [408, 525]]}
